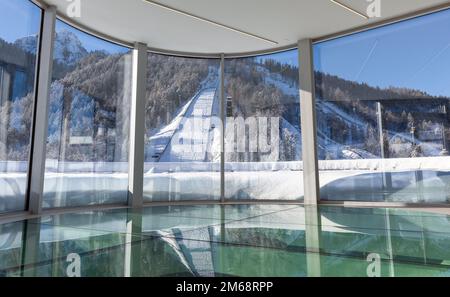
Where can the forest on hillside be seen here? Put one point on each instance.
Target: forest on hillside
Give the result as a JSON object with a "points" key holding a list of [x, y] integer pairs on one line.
{"points": [[171, 83], [90, 105], [412, 123]]}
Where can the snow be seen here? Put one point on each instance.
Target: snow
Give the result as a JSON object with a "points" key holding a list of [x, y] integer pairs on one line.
{"points": [[28, 43], [295, 132], [180, 174], [400, 164], [164, 144], [68, 48], [200, 110], [325, 107], [329, 107], [92, 183], [160, 140], [277, 81]]}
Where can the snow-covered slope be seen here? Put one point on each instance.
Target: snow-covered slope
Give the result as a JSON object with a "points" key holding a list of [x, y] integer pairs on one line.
{"points": [[323, 107], [164, 147], [192, 125]]}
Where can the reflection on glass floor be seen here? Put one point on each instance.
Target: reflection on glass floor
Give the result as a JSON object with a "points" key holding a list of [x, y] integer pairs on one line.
{"points": [[239, 240]]}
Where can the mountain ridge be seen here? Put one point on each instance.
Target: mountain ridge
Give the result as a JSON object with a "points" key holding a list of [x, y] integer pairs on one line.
{"points": [[68, 48]]}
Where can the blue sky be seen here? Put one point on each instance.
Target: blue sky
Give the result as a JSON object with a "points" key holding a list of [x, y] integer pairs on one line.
{"points": [[412, 54], [90, 42], [18, 18], [21, 18]]}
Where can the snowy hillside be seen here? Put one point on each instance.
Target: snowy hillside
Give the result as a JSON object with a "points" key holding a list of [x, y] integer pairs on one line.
{"points": [[323, 107], [164, 147]]}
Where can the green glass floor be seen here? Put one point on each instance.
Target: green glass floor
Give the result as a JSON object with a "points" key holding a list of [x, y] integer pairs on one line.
{"points": [[238, 240]]}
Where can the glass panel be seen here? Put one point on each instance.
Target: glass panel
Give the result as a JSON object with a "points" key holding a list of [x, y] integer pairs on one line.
{"points": [[383, 113], [88, 132], [182, 148], [383, 242], [20, 23], [56, 250], [11, 252], [232, 240], [263, 136]]}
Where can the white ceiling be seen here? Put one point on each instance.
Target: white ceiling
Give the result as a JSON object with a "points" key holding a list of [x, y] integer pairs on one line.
{"points": [[284, 21]]}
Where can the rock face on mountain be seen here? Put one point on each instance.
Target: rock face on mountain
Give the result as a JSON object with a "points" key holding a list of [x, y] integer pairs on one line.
{"points": [[68, 47]]}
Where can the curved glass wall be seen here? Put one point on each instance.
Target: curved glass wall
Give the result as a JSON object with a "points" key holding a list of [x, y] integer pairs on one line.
{"points": [[20, 23], [383, 121], [262, 128], [182, 140], [89, 121], [382, 109]]}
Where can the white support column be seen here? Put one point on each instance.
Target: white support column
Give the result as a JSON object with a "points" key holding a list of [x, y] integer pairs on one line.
{"points": [[39, 141], [313, 228], [308, 123], [223, 116], [133, 248], [137, 127]]}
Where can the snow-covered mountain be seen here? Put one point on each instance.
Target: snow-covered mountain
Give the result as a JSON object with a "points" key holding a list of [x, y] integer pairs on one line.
{"points": [[28, 44], [68, 47], [323, 107]]}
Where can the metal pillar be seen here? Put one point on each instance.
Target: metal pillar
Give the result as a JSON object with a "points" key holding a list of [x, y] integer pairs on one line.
{"points": [[137, 127], [40, 123], [308, 122]]}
